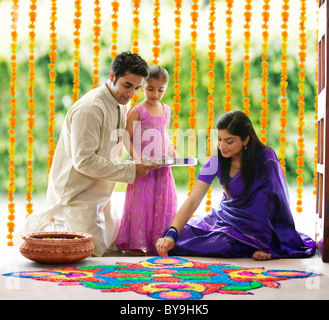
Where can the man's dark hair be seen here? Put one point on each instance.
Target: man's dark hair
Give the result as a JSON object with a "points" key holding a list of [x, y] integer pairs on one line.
{"points": [[129, 62]]}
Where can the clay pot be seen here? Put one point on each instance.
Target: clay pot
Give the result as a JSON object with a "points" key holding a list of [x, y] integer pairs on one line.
{"points": [[62, 247]]}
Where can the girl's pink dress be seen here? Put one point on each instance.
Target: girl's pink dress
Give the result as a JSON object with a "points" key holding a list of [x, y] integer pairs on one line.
{"points": [[150, 202]]}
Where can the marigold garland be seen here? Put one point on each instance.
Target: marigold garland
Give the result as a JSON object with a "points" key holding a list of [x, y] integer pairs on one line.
{"points": [[76, 52], [176, 106], [31, 108], [246, 58], [193, 83], [211, 80], [284, 83], [177, 68], [115, 27], [135, 38], [96, 41], [12, 124], [156, 33], [264, 64], [52, 83], [301, 104], [228, 61], [135, 33], [316, 109]]}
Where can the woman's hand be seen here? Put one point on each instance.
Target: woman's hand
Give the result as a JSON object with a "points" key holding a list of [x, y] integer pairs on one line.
{"points": [[164, 245]]}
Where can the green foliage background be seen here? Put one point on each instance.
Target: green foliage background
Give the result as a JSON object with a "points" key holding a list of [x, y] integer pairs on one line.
{"points": [[65, 78]]}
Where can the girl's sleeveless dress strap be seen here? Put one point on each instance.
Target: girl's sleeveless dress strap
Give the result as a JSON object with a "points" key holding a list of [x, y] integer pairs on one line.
{"points": [[137, 107]]}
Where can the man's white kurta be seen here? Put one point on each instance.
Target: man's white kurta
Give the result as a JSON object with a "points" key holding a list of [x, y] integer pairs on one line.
{"points": [[86, 165]]}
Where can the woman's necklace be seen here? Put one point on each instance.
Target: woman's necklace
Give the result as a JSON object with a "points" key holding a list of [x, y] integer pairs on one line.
{"points": [[234, 167]]}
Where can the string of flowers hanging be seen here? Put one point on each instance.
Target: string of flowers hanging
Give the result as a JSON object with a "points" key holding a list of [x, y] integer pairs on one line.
{"points": [[12, 124], [135, 36], [211, 82], [115, 27], [284, 83], [176, 74], [264, 64], [301, 104], [228, 61], [52, 83], [31, 108], [246, 58], [76, 52], [193, 100], [135, 32], [156, 33], [316, 106], [96, 41]]}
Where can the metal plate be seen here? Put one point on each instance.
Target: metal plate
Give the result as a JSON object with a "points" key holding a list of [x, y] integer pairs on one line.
{"points": [[165, 162]]}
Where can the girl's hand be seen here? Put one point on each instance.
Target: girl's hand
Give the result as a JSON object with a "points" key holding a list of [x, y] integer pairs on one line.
{"points": [[143, 169], [164, 245]]}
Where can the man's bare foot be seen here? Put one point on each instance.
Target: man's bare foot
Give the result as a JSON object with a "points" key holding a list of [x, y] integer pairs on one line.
{"points": [[261, 255]]}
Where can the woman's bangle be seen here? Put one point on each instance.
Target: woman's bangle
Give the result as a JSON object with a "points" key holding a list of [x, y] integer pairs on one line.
{"points": [[172, 227], [171, 232]]}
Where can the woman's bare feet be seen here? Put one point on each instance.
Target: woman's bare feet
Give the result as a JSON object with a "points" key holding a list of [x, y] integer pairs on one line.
{"points": [[261, 255]]}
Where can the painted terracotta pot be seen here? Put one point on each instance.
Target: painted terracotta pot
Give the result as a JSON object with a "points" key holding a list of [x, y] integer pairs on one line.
{"points": [[57, 247]]}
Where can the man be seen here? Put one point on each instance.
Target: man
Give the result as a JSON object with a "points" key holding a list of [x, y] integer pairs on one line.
{"points": [[87, 160]]}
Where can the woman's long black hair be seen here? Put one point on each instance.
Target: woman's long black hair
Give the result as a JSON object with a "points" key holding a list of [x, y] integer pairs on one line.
{"points": [[238, 123]]}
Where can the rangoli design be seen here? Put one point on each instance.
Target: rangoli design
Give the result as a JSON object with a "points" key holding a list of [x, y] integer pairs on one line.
{"points": [[167, 278]]}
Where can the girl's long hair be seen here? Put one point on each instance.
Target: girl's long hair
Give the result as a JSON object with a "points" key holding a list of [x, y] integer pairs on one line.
{"points": [[238, 123]]}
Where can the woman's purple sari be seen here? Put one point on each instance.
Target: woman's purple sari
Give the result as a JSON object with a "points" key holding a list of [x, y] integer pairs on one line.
{"points": [[262, 220]]}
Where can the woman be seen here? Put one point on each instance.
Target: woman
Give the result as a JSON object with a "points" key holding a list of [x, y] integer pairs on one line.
{"points": [[253, 218]]}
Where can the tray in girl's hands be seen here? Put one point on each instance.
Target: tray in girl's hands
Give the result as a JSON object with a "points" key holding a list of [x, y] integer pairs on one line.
{"points": [[165, 162]]}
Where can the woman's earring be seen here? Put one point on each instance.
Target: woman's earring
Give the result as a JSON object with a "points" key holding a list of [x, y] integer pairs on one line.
{"points": [[245, 147]]}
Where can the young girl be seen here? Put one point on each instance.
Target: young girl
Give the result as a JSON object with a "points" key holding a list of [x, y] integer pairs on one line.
{"points": [[150, 203], [253, 218]]}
